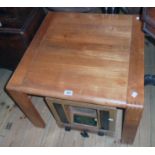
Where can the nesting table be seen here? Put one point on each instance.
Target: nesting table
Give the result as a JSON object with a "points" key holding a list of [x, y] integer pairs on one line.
{"points": [[85, 59]]}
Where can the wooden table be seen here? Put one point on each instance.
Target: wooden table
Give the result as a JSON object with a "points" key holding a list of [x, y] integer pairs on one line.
{"points": [[100, 58]]}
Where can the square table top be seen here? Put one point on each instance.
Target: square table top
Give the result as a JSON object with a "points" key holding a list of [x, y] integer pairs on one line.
{"points": [[92, 58]]}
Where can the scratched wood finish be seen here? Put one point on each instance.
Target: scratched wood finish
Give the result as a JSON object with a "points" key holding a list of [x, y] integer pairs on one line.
{"points": [[99, 57]]}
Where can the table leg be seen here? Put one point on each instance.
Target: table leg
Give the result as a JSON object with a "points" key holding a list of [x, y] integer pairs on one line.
{"points": [[27, 107], [131, 123]]}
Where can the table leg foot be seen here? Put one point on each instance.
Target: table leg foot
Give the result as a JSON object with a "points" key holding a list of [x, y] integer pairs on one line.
{"points": [[131, 123]]}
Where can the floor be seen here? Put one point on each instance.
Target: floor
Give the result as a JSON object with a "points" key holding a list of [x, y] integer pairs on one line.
{"points": [[16, 130]]}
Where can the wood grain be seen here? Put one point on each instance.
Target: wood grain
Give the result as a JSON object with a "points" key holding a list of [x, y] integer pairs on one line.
{"points": [[98, 57], [135, 84], [90, 52], [136, 67]]}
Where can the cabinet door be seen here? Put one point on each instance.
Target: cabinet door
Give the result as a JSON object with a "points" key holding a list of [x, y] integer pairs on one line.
{"points": [[108, 119], [111, 122], [60, 111]]}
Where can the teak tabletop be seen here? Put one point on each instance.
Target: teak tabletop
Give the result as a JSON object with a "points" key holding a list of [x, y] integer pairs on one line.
{"points": [[92, 58]]}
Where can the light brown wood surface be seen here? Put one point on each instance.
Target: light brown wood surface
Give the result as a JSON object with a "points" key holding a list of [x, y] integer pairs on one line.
{"points": [[99, 57], [135, 84], [23, 133], [88, 54]]}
